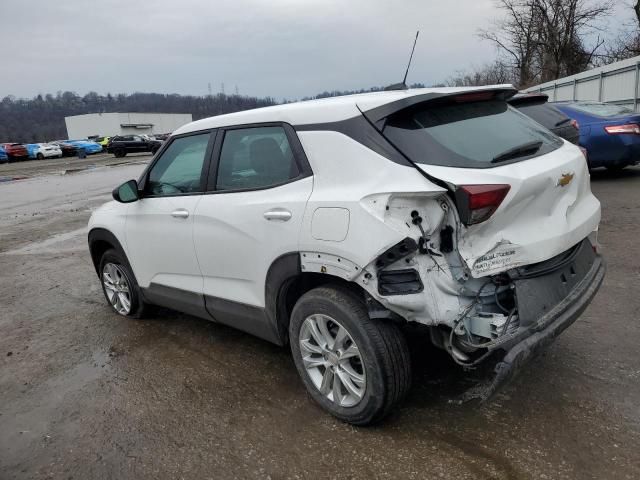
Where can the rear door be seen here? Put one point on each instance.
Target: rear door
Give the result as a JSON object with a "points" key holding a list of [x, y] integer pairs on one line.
{"points": [[252, 213], [480, 141]]}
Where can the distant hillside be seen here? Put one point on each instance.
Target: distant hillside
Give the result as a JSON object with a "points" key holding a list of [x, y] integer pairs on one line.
{"points": [[340, 93], [41, 118]]}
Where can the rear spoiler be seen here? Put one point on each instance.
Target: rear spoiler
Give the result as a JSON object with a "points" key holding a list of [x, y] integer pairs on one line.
{"points": [[528, 98], [378, 115]]}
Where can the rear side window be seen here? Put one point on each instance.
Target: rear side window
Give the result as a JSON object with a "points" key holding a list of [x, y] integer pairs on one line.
{"points": [[469, 135], [546, 115], [257, 157]]}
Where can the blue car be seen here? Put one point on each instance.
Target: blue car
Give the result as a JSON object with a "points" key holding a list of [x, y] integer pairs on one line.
{"points": [[86, 145], [4, 158], [610, 133], [32, 149]]}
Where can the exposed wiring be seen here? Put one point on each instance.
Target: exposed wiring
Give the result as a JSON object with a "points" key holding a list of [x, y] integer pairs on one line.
{"points": [[495, 295], [469, 343]]}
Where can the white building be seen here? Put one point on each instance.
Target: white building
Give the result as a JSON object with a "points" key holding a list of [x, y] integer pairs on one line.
{"points": [[614, 83], [110, 124]]}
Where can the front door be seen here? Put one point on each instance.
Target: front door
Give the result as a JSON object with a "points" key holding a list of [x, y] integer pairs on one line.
{"points": [[159, 227]]}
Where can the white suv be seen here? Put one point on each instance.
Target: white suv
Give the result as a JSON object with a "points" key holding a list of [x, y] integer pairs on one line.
{"points": [[328, 224]]}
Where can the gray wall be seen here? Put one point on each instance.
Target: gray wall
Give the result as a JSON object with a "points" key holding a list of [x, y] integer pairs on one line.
{"points": [[615, 83], [109, 124]]}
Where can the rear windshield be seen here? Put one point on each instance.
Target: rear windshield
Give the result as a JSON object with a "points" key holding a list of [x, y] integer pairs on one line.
{"points": [[546, 115], [469, 135], [601, 109]]}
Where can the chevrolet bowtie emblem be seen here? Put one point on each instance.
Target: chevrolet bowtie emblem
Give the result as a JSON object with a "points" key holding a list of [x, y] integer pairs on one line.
{"points": [[565, 179]]}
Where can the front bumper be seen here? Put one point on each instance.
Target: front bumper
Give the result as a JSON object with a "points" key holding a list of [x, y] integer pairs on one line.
{"points": [[544, 331]]}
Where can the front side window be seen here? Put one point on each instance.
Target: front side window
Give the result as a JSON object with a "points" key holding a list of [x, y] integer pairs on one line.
{"points": [[470, 135], [257, 157], [179, 169]]}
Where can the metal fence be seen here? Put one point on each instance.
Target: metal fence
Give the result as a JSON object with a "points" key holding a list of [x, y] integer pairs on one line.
{"points": [[615, 83]]}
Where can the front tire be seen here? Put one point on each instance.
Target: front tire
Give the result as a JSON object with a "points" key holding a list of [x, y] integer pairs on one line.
{"points": [[354, 367], [119, 285], [40, 156]]}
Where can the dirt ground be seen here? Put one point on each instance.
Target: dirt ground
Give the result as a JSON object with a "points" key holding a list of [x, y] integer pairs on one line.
{"points": [[86, 394]]}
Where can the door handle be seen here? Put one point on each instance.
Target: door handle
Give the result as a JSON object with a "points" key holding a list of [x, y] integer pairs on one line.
{"points": [[279, 214], [180, 213]]}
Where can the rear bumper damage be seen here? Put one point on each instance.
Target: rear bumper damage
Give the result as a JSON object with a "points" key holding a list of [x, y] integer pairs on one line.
{"points": [[540, 334]]}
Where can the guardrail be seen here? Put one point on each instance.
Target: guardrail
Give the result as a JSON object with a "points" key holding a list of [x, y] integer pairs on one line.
{"points": [[618, 86]]}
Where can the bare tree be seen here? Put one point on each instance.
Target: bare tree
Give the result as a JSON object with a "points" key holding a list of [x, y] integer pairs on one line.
{"points": [[545, 39], [494, 73], [627, 43]]}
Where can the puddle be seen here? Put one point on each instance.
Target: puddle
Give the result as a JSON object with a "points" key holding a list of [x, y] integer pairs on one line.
{"points": [[12, 178], [61, 243]]}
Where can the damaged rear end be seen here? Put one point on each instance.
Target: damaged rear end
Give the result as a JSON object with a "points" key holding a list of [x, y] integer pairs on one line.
{"points": [[505, 257]]}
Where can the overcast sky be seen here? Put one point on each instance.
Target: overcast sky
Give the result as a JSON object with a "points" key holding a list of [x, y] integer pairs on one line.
{"points": [[278, 48]]}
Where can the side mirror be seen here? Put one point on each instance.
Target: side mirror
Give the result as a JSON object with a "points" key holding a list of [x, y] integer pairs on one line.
{"points": [[127, 192]]}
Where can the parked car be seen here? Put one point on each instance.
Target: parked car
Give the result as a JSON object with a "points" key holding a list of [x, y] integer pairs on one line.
{"points": [[41, 151], [610, 133], [536, 106], [102, 141], [16, 151], [161, 136], [68, 150], [327, 224], [88, 146], [4, 158], [122, 144]]}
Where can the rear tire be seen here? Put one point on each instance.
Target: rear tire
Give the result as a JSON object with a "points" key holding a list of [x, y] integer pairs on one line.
{"points": [[119, 285], [40, 156], [372, 363], [119, 153]]}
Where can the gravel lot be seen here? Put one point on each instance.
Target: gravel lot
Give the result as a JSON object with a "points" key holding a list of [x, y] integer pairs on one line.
{"points": [[87, 394]]}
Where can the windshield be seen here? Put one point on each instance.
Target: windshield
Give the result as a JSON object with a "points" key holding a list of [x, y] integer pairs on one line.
{"points": [[470, 135], [601, 109]]}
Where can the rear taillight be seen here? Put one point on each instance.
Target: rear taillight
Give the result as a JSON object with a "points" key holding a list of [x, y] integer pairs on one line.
{"points": [[476, 203], [630, 128], [575, 123]]}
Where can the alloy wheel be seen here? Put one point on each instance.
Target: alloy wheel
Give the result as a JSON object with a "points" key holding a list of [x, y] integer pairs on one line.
{"points": [[332, 360], [117, 288]]}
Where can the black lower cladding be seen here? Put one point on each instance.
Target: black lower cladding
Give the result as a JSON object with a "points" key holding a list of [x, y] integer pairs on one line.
{"points": [[540, 287], [248, 318]]}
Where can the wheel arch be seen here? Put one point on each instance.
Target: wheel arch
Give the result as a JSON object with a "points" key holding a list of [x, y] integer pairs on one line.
{"points": [[286, 283], [101, 240]]}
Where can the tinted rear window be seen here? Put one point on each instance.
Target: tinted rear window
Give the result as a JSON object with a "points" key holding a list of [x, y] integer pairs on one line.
{"points": [[601, 109], [546, 115], [466, 135]]}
